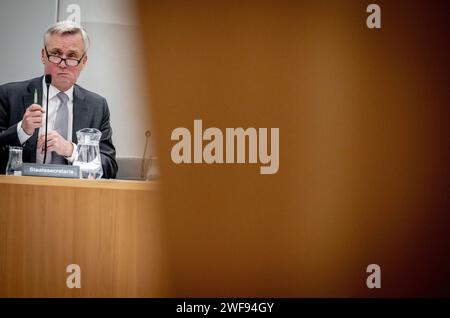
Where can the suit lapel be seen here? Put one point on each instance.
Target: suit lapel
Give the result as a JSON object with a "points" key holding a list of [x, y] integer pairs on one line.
{"points": [[80, 112]]}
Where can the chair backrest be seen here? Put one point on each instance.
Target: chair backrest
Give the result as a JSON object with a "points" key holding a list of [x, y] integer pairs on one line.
{"points": [[132, 168]]}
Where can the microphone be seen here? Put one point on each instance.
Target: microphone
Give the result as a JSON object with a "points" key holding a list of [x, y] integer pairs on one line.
{"points": [[48, 81], [147, 136]]}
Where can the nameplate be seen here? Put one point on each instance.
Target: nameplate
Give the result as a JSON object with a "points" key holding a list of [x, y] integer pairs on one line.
{"points": [[54, 171]]}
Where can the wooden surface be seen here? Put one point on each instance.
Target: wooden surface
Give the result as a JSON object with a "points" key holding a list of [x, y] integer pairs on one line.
{"points": [[79, 183], [109, 228]]}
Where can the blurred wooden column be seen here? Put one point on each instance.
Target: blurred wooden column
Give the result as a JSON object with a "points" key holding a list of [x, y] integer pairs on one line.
{"points": [[356, 108]]}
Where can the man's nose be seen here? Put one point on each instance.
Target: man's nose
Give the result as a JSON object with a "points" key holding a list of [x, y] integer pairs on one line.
{"points": [[62, 64]]}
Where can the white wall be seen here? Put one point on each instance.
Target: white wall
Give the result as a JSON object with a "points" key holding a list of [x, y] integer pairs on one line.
{"points": [[22, 24]]}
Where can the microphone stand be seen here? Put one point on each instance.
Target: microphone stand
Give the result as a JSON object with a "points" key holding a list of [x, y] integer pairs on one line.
{"points": [[147, 135], [48, 80]]}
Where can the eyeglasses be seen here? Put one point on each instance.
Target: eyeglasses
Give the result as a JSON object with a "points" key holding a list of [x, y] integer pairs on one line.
{"points": [[55, 59]]}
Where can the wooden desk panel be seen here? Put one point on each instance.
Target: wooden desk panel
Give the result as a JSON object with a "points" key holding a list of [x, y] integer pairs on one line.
{"points": [[109, 228]]}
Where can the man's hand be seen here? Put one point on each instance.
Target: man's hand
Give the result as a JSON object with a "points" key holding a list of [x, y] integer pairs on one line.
{"points": [[32, 118], [55, 143]]}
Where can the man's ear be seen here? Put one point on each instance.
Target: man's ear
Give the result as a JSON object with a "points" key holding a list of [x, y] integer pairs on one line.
{"points": [[43, 56], [85, 59]]}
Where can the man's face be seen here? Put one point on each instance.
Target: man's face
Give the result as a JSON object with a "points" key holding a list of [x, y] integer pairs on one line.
{"points": [[65, 46]]}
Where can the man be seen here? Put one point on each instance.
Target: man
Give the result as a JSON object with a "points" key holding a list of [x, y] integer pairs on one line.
{"points": [[71, 107]]}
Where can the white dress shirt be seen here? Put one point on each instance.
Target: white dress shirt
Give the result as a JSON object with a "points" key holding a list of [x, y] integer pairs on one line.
{"points": [[53, 105]]}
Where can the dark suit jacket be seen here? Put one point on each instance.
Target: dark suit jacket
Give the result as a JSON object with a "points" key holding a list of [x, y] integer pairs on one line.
{"points": [[89, 111]]}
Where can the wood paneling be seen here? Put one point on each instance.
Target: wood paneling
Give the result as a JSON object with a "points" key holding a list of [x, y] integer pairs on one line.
{"points": [[109, 228]]}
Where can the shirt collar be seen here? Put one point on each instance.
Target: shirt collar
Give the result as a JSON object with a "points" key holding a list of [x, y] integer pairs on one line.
{"points": [[53, 91]]}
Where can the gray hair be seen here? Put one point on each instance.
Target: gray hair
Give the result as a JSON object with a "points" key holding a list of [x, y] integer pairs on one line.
{"points": [[67, 27]]}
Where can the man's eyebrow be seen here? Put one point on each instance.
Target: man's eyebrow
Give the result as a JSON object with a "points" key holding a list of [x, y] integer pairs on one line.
{"points": [[72, 52], [59, 51], [55, 50]]}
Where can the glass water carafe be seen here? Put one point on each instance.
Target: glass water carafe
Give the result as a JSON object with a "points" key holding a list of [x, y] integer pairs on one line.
{"points": [[87, 156], [14, 165]]}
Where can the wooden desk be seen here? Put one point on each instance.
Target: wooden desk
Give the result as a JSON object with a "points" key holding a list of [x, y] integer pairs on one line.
{"points": [[110, 228]]}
